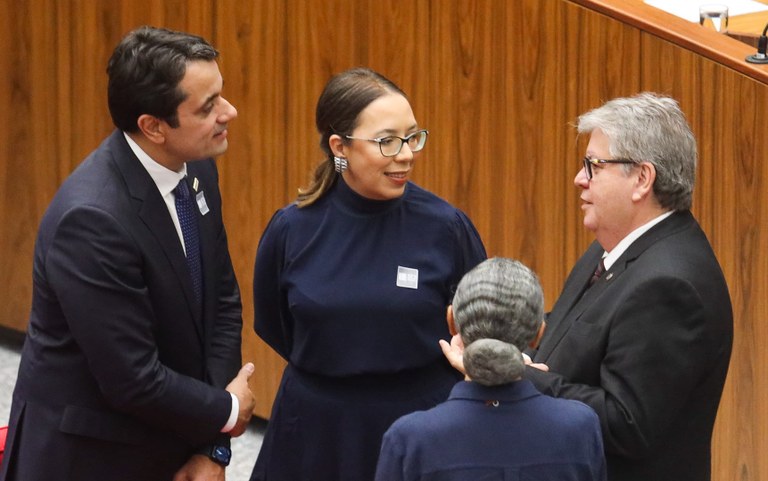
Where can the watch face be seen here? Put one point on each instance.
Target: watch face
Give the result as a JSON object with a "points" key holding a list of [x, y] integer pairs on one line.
{"points": [[221, 454]]}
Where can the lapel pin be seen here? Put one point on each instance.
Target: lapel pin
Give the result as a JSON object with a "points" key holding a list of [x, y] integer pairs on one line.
{"points": [[195, 184]]}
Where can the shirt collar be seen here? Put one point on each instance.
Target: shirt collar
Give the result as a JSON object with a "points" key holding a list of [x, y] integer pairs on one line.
{"points": [[611, 257], [165, 179], [514, 391]]}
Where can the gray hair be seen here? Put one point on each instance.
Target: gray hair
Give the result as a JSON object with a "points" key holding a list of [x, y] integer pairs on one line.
{"points": [[498, 308], [650, 128]]}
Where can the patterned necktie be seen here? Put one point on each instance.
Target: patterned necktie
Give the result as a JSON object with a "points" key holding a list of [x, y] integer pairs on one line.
{"points": [[598, 272], [188, 221]]}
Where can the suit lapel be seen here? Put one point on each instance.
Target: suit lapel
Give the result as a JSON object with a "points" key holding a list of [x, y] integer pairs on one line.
{"points": [[674, 223], [576, 298], [572, 301], [152, 210]]}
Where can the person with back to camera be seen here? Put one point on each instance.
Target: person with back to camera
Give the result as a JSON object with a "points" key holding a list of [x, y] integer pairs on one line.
{"points": [[127, 369], [351, 284], [495, 425]]}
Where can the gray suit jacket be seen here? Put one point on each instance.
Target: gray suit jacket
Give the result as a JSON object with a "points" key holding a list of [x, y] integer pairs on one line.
{"points": [[647, 347], [122, 371]]}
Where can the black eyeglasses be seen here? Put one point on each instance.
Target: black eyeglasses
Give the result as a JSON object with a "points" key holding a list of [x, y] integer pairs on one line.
{"points": [[391, 145], [588, 163]]}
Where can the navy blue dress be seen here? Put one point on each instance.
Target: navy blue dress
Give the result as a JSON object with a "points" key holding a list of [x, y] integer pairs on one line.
{"points": [[352, 292], [507, 432]]}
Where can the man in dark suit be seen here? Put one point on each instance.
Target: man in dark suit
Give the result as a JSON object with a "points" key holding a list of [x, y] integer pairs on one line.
{"points": [[646, 343], [130, 366]]}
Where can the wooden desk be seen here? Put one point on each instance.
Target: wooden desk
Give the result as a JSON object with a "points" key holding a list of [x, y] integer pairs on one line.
{"points": [[747, 28], [750, 23], [689, 35]]}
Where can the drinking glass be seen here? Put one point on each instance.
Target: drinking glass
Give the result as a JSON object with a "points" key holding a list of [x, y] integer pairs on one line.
{"points": [[714, 16]]}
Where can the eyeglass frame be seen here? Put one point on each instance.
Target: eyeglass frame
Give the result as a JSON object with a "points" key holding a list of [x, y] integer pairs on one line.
{"points": [[402, 140], [589, 162]]}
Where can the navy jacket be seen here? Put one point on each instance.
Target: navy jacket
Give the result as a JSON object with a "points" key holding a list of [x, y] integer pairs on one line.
{"points": [[122, 373], [501, 433]]}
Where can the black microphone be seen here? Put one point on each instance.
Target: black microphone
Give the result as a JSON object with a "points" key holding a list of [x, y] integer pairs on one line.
{"points": [[762, 45]]}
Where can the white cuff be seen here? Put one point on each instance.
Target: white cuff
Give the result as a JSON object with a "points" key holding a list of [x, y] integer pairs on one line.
{"points": [[232, 415]]}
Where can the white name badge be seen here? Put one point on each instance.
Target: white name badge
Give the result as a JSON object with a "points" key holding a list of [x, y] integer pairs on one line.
{"points": [[201, 204], [407, 277]]}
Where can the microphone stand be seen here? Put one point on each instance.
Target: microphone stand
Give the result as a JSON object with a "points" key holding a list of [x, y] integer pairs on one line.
{"points": [[762, 46]]}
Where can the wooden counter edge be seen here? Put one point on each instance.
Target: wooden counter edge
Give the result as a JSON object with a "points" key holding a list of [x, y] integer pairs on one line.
{"points": [[691, 36]]}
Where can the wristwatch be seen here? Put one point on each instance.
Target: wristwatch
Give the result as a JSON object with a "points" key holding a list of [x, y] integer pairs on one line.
{"points": [[220, 455]]}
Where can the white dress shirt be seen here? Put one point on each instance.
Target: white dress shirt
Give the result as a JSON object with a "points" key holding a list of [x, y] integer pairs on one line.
{"points": [[610, 257], [167, 180]]}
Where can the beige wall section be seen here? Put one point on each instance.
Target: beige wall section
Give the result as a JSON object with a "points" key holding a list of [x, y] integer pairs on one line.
{"points": [[498, 84]]}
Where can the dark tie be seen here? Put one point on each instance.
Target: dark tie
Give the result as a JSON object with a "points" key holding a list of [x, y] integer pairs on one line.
{"points": [[598, 272], [188, 221]]}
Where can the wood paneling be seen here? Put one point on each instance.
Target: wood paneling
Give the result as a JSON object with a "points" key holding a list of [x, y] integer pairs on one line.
{"points": [[263, 146], [53, 99], [724, 108], [498, 84]]}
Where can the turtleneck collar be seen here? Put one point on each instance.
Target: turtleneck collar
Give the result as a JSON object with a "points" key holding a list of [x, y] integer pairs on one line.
{"points": [[350, 201]]}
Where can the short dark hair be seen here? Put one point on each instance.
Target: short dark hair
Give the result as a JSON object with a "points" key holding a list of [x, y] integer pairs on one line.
{"points": [[145, 71]]}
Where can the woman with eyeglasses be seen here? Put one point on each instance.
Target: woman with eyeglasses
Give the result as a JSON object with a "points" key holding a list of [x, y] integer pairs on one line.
{"points": [[351, 285]]}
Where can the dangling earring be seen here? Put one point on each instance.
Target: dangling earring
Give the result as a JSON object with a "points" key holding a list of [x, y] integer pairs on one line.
{"points": [[340, 164]]}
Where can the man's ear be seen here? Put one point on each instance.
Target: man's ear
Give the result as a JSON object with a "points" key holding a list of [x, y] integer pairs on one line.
{"points": [[645, 179], [152, 128], [450, 320], [536, 340]]}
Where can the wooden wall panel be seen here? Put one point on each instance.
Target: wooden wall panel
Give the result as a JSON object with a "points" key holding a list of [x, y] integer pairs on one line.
{"points": [[53, 94], [729, 201], [28, 119], [598, 69], [498, 84], [262, 148]]}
